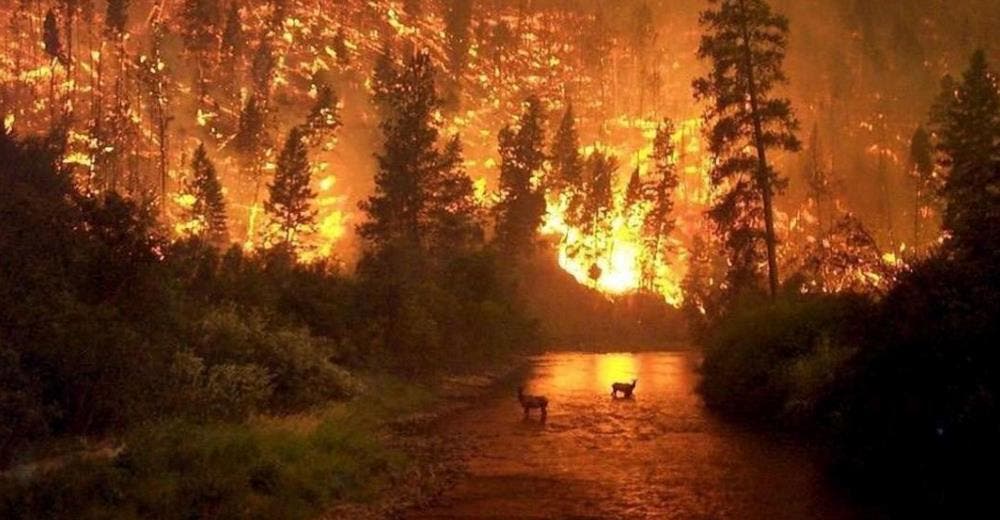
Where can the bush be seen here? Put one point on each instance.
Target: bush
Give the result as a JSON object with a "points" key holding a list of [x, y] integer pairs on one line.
{"points": [[23, 413], [298, 364], [183, 470], [919, 406], [763, 359], [904, 390]]}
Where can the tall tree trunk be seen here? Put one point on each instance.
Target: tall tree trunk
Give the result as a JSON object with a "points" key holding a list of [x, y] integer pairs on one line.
{"points": [[763, 180]]}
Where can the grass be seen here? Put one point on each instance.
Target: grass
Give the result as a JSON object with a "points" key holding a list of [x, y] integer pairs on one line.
{"points": [[269, 467]]}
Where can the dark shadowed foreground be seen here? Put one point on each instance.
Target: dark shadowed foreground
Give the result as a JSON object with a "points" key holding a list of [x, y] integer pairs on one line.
{"points": [[658, 455]]}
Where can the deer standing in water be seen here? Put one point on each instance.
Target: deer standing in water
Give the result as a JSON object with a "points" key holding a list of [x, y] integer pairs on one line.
{"points": [[625, 389], [529, 402]]}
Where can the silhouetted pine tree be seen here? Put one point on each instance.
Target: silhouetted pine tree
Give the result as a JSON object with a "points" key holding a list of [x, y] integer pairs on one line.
{"points": [[116, 17], [339, 46], [567, 166], [458, 19], [925, 183], [200, 19], [522, 205], [422, 194], [454, 214], [324, 117], [53, 47], [209, 206], [233, 39], [659, 222], [633, 191], [818, 181], [262, 68], [155, 75], [199, 26], [289, 203], [599, 203], [643, 39], [251, 141], [745, 43], [969, 141]]}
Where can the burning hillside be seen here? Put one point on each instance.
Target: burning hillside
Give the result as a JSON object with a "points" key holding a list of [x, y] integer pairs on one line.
{"points": [[138, 85]]}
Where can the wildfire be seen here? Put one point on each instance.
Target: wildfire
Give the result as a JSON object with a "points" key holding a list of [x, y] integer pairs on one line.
{"points": [[619, 260], [338, 42]]}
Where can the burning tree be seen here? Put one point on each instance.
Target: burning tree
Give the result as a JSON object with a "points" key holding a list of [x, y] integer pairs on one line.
{"points": [[846, 259], [745, 42]]}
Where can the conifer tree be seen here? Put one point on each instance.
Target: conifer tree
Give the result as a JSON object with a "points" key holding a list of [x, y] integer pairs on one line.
{"points": [[422, 193], [634, 190], [925, 185], [567, 167], [324, 116], [262, 68], [643, 38], [454, 214], [200, 20], [818, 180], [522, 204], [969, 142], [659, 222], [745, 43], [233, 44], [115, 21], [155, 75], [339, 46], [289, 203], [116, 17], [599, 202], [252, 140], [209, 206], [458, 19]]}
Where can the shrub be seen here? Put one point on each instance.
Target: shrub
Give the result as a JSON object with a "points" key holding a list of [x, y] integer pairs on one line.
{"points": [[762, 358], [179, 470], [919, 406], [23, 413], [234, 391]]}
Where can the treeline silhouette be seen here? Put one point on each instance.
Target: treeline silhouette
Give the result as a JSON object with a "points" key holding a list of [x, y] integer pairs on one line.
{"points": [[901, 388]]}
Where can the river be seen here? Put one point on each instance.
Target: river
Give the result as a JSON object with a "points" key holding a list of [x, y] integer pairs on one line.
{"points": [[660, 454]]}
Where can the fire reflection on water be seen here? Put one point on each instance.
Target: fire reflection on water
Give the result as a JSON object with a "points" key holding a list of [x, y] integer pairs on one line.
{"points": [[659, 455]]}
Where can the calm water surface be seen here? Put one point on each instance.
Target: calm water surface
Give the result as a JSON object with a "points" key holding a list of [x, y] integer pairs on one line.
{"points": [[658, 455]]}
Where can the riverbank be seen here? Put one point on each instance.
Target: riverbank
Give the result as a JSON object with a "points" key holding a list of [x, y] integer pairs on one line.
{"points": [[364, 458], [436, 461]]}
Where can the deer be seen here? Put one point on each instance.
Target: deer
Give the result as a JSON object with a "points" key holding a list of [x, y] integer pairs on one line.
{"points": [[625, 389], [529, 402]]}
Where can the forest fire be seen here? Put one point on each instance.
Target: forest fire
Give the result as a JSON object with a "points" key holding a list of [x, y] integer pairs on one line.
{"points": [[137, 98], [139, 92], [327, 258]]}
